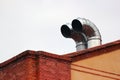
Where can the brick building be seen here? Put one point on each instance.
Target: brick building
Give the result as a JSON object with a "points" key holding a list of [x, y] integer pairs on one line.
{"points": [[97, 63]]}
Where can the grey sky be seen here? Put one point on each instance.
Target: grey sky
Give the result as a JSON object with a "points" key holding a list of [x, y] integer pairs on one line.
{"points": [[35, 24]]}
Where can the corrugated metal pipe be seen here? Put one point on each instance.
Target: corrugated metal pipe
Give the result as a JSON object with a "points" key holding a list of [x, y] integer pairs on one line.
{"points": [[83, 32]]}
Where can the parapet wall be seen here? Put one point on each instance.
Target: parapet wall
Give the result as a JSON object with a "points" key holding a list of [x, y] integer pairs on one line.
{"points": [[31, 65]]}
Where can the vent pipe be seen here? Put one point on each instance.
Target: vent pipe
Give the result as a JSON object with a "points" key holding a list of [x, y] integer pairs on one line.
{"points": [[89, 29], [79, 38], [83, 32]]}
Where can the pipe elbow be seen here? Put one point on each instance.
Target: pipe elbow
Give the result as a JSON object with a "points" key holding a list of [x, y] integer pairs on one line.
{"points": [[83, 32], [89, 29], [85, 26], [79, 38]]}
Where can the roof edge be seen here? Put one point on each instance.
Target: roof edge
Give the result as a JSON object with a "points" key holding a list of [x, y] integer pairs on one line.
{"points": [[53, 55], [23, 54], [33, 54], [67, 57], [90, 50]]}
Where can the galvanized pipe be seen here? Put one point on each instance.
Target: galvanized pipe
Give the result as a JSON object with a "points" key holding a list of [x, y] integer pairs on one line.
{"points": [[81, 45], [94, 38], [83, 32], [79, 38]]}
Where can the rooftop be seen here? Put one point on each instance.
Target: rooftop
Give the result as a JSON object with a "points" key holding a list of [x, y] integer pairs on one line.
{"points": [[79, 55]]}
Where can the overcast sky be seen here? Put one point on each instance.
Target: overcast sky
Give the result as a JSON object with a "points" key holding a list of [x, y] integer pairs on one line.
{"points": [[35, 24]]}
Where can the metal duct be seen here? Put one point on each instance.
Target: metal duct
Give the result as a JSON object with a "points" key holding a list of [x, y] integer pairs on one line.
{"points": [[79, 38], [82, 25]]}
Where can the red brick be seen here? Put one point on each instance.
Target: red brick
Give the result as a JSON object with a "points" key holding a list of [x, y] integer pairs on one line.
{"points": [[31, 65], [53, 69]]}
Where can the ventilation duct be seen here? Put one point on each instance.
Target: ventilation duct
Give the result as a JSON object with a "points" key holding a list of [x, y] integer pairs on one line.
{"points": [[83, 32], [79, 38]]}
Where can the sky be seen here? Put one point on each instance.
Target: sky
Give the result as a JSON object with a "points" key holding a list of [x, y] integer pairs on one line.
{"points": [[35, 24]]}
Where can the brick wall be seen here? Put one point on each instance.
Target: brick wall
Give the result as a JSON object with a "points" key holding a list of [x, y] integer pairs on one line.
{"points": [[53, 69], [14, 71], [18, 68], [31, 65]]}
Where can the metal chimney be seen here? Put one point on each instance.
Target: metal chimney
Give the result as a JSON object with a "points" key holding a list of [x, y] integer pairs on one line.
{"points": [[83, 32]]}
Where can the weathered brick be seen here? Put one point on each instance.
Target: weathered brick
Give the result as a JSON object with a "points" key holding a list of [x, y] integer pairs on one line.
{"points": [[53, 69], [34, 66]]}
